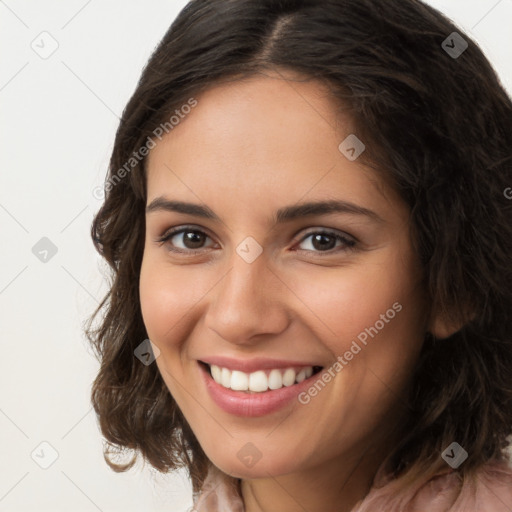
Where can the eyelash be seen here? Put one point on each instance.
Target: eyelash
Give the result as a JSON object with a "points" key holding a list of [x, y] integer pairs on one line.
{"points": [[350, 244]]}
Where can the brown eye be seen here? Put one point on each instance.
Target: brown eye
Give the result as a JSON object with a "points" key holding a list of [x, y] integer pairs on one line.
{"points": [[324, 241], [192, 239], [185, 239]]}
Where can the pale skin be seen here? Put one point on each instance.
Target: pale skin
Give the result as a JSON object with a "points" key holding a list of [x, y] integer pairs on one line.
{"points": [[247, 149]]}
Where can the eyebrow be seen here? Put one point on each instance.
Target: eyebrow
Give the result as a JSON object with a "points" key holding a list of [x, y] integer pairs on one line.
{"points": [[282, 215]]}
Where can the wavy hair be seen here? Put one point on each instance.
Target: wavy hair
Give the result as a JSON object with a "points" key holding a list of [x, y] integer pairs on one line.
{"points": [[438, 128]]}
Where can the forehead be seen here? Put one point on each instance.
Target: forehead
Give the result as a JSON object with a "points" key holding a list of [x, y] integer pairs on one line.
{"points": [[267, 137]]}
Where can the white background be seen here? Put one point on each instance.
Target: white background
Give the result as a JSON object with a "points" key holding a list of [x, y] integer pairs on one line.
{"points": [[58, 120]]}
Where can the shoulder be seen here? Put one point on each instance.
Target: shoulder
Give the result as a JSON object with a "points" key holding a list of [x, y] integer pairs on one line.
{"points": [[489, 489]]}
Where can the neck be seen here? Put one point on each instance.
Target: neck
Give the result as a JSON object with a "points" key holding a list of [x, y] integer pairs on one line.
{"points": [[338, 485]]}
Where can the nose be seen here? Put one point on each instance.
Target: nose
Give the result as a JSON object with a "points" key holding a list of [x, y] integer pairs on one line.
{"points": [[250, 300]]}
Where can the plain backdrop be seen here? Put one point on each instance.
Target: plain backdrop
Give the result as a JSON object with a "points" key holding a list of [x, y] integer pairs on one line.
{"points": [[58, 117]]}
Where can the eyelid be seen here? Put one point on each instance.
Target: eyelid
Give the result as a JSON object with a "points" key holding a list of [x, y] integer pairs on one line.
{"points": [[348, 243], [169, 233], [327, 231], [178, 229]]}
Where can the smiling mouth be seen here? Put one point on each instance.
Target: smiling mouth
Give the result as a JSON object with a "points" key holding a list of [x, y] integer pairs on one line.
{"points": [[262, 380]]}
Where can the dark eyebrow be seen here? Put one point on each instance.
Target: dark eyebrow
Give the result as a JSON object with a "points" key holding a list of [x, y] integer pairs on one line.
{"points": [[161, 203], [282, 215], [322, 208]]}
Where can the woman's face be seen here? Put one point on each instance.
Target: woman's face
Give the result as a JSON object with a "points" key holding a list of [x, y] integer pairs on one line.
{"points": [[269, 291]]}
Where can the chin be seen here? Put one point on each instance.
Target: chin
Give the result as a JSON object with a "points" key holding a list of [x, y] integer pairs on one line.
{"points": [[261, 468]]}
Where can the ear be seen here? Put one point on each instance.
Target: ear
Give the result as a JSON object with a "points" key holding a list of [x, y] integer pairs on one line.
{"points": [[442, 329], [441, 326]]}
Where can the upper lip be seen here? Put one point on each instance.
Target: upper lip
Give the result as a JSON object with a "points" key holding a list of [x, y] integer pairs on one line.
{"points": [[254, 364]]}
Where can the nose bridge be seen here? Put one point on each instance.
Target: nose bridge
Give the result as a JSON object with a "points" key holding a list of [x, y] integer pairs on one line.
{"points": [[241, 280], [245, 301]]}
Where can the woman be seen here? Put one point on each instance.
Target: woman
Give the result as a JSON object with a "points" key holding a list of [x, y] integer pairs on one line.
{"points": [[306, 214]]}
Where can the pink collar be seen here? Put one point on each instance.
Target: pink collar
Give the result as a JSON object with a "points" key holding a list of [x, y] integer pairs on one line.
{"points": [[489, 491]]}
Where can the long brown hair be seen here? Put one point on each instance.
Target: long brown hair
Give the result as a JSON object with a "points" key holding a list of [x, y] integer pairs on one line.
{"points": [[438, 126]]}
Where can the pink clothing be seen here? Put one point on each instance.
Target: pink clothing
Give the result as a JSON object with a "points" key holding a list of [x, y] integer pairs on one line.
{"points": [[491, 491]]}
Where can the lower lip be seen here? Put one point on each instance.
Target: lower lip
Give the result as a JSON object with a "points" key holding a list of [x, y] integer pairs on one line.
{"points": [[254, 404]]}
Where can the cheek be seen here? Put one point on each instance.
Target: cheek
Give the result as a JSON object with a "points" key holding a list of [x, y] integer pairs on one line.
{"points": [[343, 302], [170, 298], [373, 316], [373, 319]]}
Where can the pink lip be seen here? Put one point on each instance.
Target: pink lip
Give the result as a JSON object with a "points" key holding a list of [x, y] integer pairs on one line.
{"points": [[256, 404], [255, 364]]}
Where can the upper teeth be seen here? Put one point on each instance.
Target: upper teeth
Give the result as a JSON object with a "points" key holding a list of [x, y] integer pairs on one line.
{"points": [[259, 381]]}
